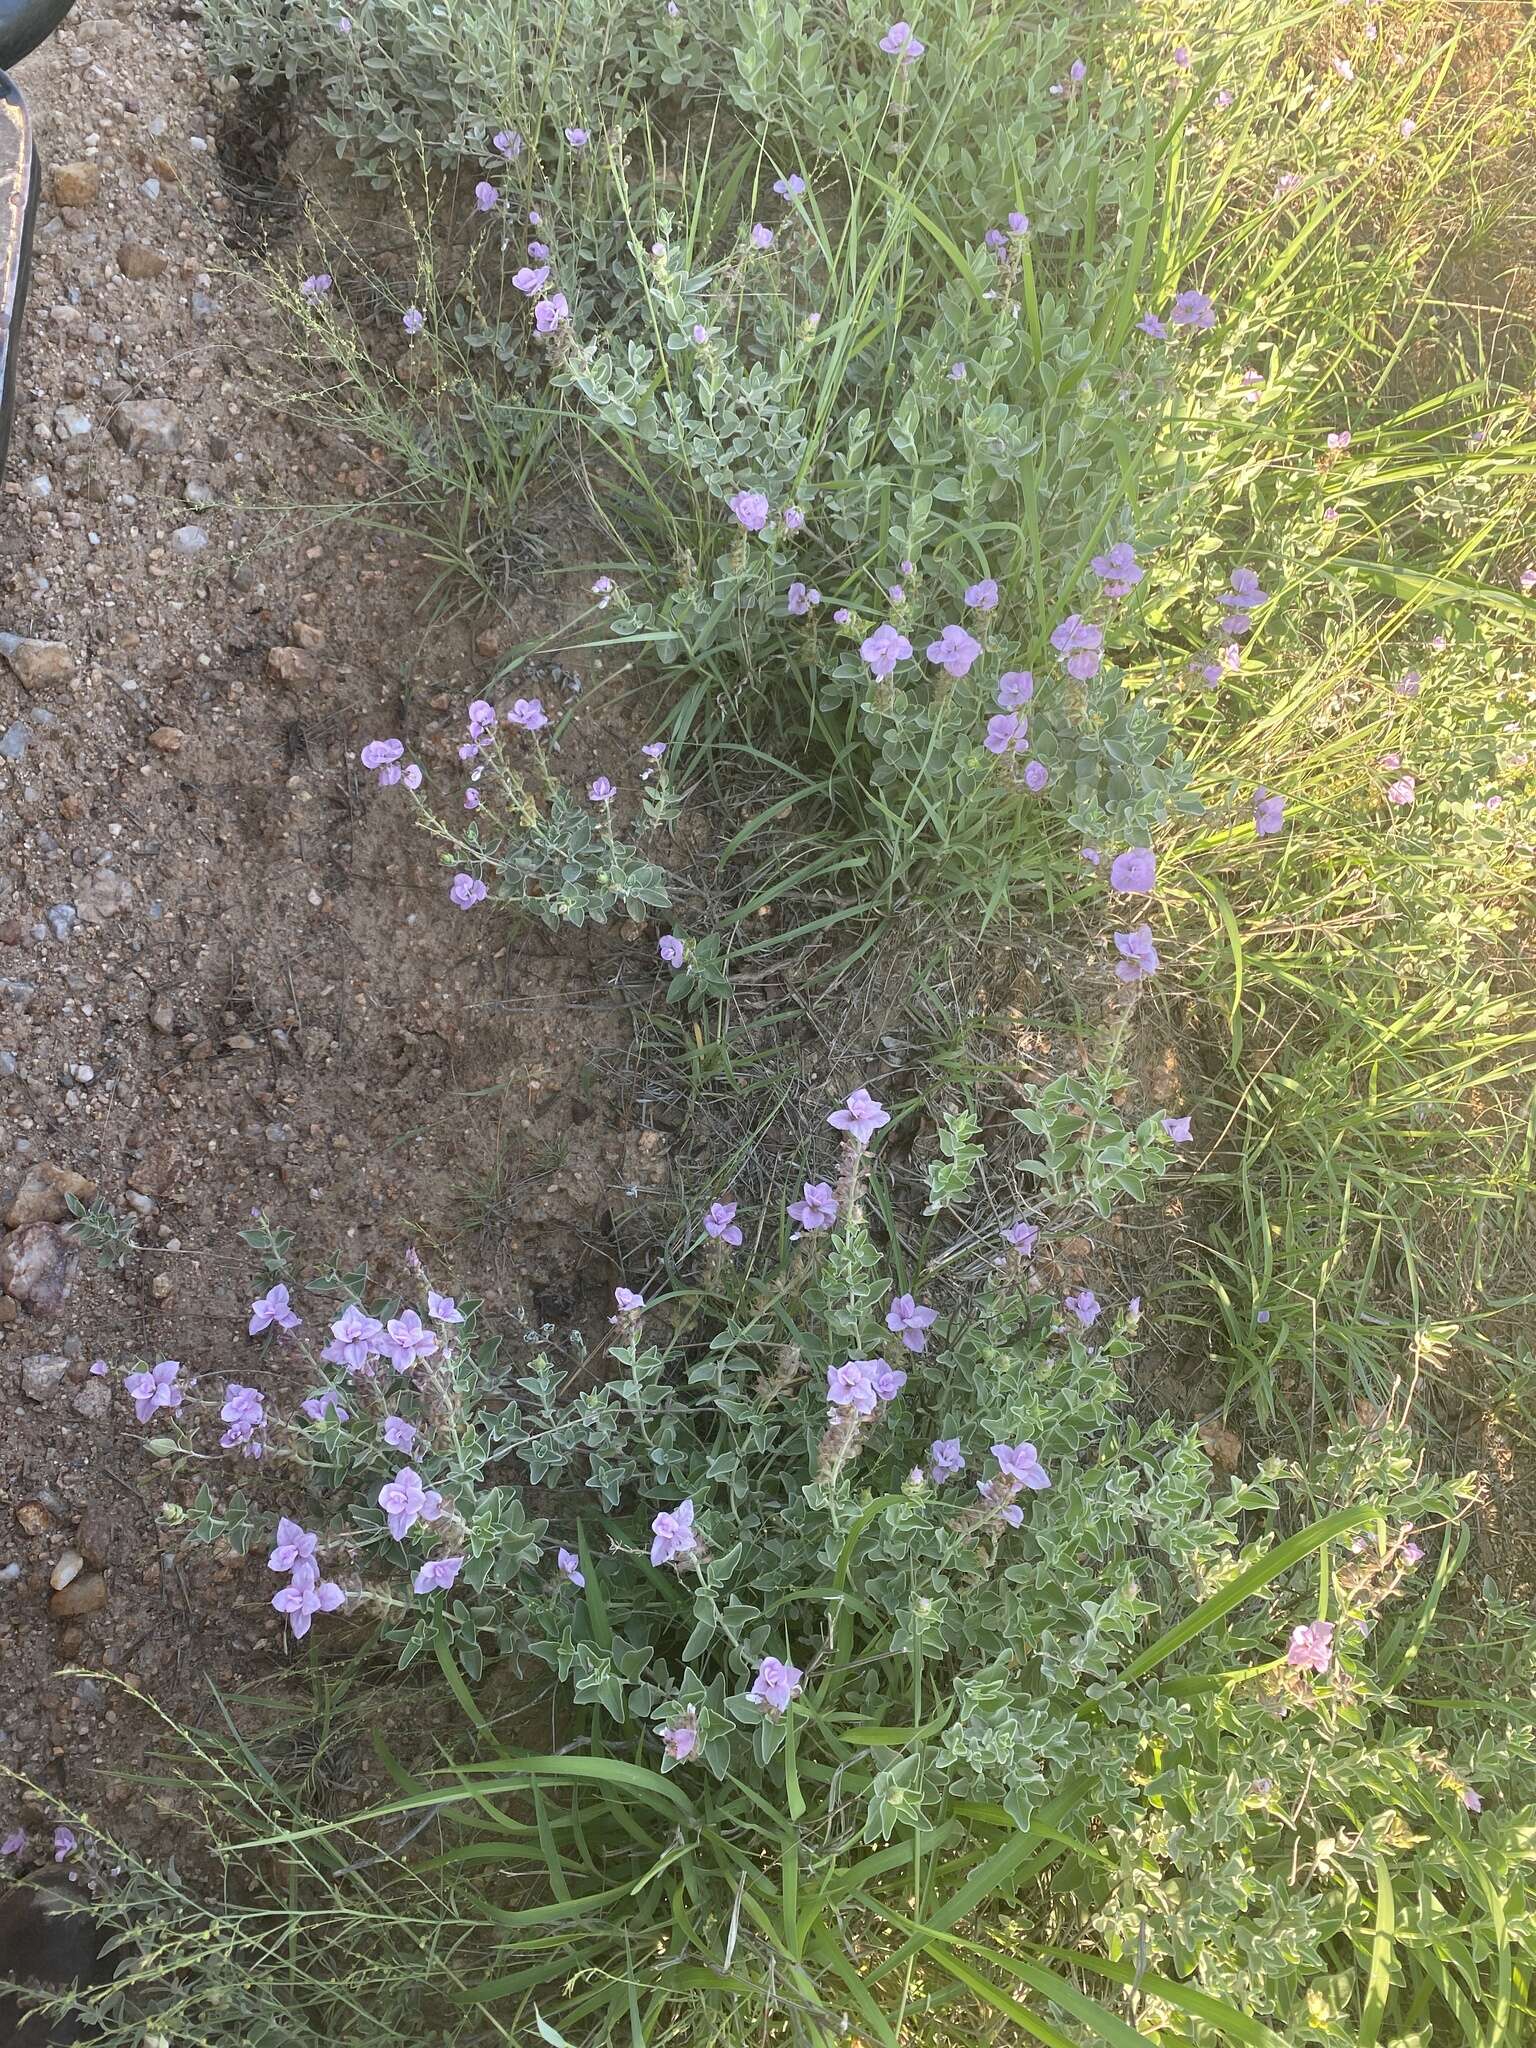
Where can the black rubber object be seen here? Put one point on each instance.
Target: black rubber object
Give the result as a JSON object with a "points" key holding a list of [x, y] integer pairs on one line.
{"points": [[18, 203], [26, 23]]}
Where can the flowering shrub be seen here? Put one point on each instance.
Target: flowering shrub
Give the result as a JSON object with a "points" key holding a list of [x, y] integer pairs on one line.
{"points": [[545, 852], [887, 1578]]}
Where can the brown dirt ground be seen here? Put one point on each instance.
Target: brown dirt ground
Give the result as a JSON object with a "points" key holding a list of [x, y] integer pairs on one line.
{"points": [[330, 1040]]}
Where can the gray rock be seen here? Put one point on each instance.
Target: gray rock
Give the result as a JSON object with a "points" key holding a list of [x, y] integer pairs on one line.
{"points": [[7, 1064], [147, 426], [42, 1374], [61, 919], [18, 992], [73, 423], [38, 663], [13, 741], [106, 894], [38, 1265], [189, 540], [93, 1403]]}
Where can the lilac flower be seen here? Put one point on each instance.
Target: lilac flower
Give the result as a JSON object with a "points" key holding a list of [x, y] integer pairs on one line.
{"points": [[1077, 71], [1138, 955], [762, 238], [654, 749], [900, 41], [1018, 223], [1176, 1129], [817, 1208], [539, 252], [629, 1303], [999, 1496], [682, 1738], [529, 281], [437, 1575], [528, 713], [851, 1385], [408, 1341], [1268, 813], [442, 1308], [306, 1597], [751, 509], [327, 1402], [1528, 580], [887, 1380], [64, 1843], [841, 616], [1410, 684], [801, 600], [883, 649], [1339, 442], [601, 791], [860, 1116], [317, 286], [1021, 1464], [482, 718], [245, 1411], [1193, 310], [1022, 1236], [1118, 569], [577, 137], [354, 1339], [995, 239], [272, 1307], [153, 1389], [1036, 776], [1150, 324], [671, 950], [410, 775], [674, 1535], [1181, 56], [399, 1434], [946, 1460], [910, 1321], [775, 1685], [413, 320], [1134, 872], [406, 1502], [551, 313], [700, 334], [1400, 792], [98, 1368], [486, 196], [1085, 1305], [982, 596], [958, 373], [790, 187], [1015, 688], [1007, 733], [15, 1843], [954, 651], [570, 1567], [1471, 1800], [508, 142], [1311, 1646], [383, 754], [467, 891], [720, 1222], [1080, 646], [295, 1546], [1412, 1553], [1245, 586]]}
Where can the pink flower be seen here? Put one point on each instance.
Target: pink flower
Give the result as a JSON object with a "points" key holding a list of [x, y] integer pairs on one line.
{"points": [[1311, 1646], [295, 1546], [817, 1208], [720, 1222], [775, 1685], [861, 1116], [1400, 792]]}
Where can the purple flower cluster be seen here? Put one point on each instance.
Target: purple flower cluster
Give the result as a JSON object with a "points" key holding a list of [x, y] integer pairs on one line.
{"points": [[245, 1411], [296, 1552], [863, 1384], [1018, 1468]]}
